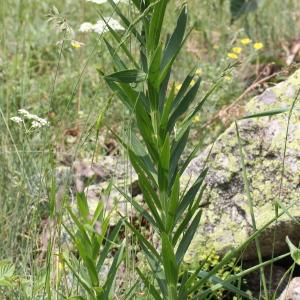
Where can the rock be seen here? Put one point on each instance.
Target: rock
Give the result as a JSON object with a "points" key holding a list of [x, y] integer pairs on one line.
{"points": [[98, 179], [114, 202], [85, 171], [292, 291], [273, 277], [226, 221]]}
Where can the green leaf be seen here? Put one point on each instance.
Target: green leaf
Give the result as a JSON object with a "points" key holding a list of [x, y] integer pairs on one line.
{"points": [[122, 45], [81, 237], [115, 57], [169, 261], [184, 104], [154, 68], [177, 149], [189, 119], [166, 112], [155, 26], [173, 204], [149, 286], [144, 241], [82, 205], [184, 88], [163, 166], [175, 42], [7, 270], [110, 241], [190, 195], [267, 113], [167, 69], [187, 238], [111, 277], [156, 268], [127, 76], [221, 284], [82, 281], [152, 200], [92, 271], [189, 215], [156, 222], [295, 252]]}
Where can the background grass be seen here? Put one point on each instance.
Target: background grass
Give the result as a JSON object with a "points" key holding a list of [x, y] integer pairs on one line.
{"points": [[58, 82]]}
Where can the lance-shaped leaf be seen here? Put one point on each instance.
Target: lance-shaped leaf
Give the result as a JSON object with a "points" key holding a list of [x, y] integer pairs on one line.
{"points": [[155, 26], [111, 277], [127, 76], [169, 261], [175, 42], [187, 238], [115, 57], [155, 294], [191, 194], [109, 242], [184, 104]]}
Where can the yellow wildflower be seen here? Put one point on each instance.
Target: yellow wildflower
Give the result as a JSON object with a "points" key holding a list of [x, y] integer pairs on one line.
{"points": [[178, 86], [192, 82], [236, 50], [258, 46], [232, 55], [245, 41], [196, 119], [76, 44], [199, 72], [228, 78]]}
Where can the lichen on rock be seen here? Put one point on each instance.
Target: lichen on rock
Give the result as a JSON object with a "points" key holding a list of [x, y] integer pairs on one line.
{"points": [[226, 221]]}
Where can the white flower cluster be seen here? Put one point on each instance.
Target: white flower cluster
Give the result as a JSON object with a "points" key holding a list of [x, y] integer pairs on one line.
{"points": [[36, 122], [101, 26]]}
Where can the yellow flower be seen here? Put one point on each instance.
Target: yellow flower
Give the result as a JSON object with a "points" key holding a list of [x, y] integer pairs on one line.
{"points": [[196, 119], [228, 78], [192, 82], [245, 41], [258, 46], [216, 46], [178, 86], [199, 72], [232, 55], [236, 50], [76, 44]]}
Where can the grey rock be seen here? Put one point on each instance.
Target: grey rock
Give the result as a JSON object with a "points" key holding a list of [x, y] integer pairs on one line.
{"points": [[226, 221], [292, 291]]}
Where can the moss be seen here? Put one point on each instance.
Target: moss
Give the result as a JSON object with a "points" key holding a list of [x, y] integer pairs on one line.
{"points": [[226, 223]]}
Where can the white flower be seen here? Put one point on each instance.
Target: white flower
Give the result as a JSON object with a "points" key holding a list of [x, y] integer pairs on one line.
{"points": [[23, 112], [35, 118], [37, 121], [86, 27], [17, 120], [101, 26], [36, 124]]}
